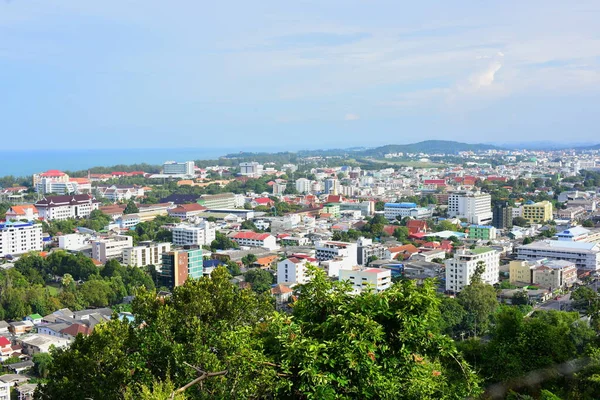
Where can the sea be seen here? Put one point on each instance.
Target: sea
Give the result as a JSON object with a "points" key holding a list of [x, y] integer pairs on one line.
{"points": [[28, 162]]}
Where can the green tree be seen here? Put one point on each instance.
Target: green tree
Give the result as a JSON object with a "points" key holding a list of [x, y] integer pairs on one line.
{"points": [[249, 259], [588, 223], [42, 362], [131, 208], [520, 221], [222, 242], [520, 298], [260, 279], [479, 301]]}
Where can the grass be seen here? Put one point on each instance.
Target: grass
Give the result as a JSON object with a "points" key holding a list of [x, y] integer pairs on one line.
{"points": [[53, 289]]}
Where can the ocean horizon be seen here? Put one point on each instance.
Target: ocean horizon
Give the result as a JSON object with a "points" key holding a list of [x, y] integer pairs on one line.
{"points": [[28, 162]]}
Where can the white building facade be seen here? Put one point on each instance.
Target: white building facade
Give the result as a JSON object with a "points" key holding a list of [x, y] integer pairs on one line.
{"points": [[111, 247], [460, 269], [377, 279], [19, 238], [475, 207], [584, 255], [202, 234], [145, 254]]}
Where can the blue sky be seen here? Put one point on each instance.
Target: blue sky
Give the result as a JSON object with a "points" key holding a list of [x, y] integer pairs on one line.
{"points": [[296, 74]]}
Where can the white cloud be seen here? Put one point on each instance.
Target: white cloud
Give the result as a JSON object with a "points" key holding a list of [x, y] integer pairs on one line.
{"points": [[485, 77], [351, 117]]}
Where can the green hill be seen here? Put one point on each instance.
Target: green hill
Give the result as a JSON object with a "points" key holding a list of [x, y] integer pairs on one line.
{"points": [[428, 146]]}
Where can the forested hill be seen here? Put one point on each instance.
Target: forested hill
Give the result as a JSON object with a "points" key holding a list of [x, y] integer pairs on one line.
{"points": [[430, 147]]}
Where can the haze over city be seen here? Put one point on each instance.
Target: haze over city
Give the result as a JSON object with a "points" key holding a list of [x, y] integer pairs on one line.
{"points": [[263, 74]]}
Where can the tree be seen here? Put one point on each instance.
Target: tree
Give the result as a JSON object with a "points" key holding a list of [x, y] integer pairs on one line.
{"points": [[371, 259], [249, 225], [401, 234], [233, 268], [528, 240], [520, 221], [42, 362], [260, 279], [520, 298], [131, 208], [588, 223], [222, 242], [479, 301], [249, 259]]}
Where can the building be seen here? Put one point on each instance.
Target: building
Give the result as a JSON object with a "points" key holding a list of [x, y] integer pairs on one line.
{"points": [[538, 212], [303, 185], [252, 239], [292, 269], [120, 192], [111, 247], [585, 256], [24, 212], [461, 267], [201, 234], [393, 211], [73, 241], [474, 207], [251, 169], [551, 274], [20, 237], [219, 201], [179, 168], [54, 181], [65, 207], [179, 265], [367, 249], [366, 208], [186, 211], [40, 343], [482, 232], [361, 279], [502, 215], [147, 253], [332, 186], [331, 250]]}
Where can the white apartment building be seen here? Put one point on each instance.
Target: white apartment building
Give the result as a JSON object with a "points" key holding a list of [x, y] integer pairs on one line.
{"points": [[292, 270], [201, 234], [252, 239], [20, 237], [147, 253], [475, 207], [73, 241], [329, 250], [111, 247], [179, 168], [376, 279], [252, 169], [279, 188], [303, 185], [65, 207], [460, 269], [366, 249], [584, 255]]}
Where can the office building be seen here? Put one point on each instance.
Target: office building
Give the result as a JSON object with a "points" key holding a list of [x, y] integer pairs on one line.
{"points": [[332, 250], [147, 253], [19, 238], [461, 267], [366, 249], [303, 185], [549, 274], [179, 265], [179, 168], [222, 200], [251, 169], [110, 248], [393, 211], [538, 212], [585, 256], [201, 234], [502, 215], [474, 207]]}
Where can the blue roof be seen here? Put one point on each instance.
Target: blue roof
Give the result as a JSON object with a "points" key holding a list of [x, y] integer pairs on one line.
{"points": [[15, 224], [401, 205]]}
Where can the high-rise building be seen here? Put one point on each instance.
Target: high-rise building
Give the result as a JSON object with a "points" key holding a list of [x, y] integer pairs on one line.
{"points": [[147, 253], [111, 247], [332, 186], [179, 168], [20, 237], [303, 185], [538, 212], [179, 265], [252, 169], [476, 208], [202, 234], [502, 215], [460, 268]]}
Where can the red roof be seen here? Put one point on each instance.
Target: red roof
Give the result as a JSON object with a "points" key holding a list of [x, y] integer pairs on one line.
{"points": [[75, 329], [434, 181], [52, 173], [334, 198], [4, 341], [251, 235], [187, 208], [375, 270], [263, 200], [79, 180], [281, 289], [21, 210]]}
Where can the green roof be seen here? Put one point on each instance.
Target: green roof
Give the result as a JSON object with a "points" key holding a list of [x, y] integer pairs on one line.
{"points": [[35, 316], [481, 250]]}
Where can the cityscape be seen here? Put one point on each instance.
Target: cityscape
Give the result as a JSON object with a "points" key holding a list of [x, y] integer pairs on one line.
{"points": [[301, 200]]}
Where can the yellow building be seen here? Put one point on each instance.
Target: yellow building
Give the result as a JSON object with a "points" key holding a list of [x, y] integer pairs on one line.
{"points": [[538, 212], [520, 271]]}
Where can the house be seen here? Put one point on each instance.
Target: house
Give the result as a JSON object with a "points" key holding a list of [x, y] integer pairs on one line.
{"points": [[39, 343], [73, 330], [25, 391], [265, 262], [429, 255], [35, 318], [19, 367], [403, 252], [26, 212], [20, 327], [282, 294], [3, 327], [262, 201], [5, 348], [416, 226]]}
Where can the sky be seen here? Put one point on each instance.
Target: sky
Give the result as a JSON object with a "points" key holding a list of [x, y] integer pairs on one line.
{"points": [[296, 74]]}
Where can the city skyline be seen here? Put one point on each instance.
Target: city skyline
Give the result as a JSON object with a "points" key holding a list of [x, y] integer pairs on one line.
{"points": [[336, 75]]}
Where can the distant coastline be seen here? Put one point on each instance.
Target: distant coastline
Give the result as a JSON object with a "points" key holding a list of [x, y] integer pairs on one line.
{"points": [[27, 162]]}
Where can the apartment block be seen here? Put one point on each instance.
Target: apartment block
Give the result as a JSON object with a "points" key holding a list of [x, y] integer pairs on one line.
{"points": [[19, 238], [201, 234], [461, 267], [538, 212], [111, 247], [179, 265], [361, 279], [147, 253], [476, 208], [550, 274]]}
